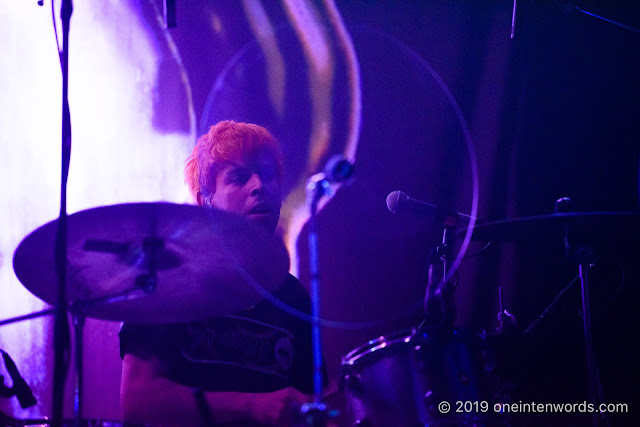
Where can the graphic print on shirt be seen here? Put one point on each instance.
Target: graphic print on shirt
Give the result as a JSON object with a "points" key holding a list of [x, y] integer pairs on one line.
{"points": [[240, 341]]}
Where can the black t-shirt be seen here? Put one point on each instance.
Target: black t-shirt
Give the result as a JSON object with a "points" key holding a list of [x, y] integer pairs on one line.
{"points": [[257, 350]]}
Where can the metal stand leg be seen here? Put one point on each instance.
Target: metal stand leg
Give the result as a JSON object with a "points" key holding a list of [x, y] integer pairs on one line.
{"points": [[596, 395], [78, 387]]}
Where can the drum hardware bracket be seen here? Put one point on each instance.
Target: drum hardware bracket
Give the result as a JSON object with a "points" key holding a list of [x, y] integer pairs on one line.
{"points": [[507, 322], [147, 282], [81, 306], [353, 382], [314, 414], [439, 307]]}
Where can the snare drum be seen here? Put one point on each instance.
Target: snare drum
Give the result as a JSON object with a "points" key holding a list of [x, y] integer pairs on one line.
{"points": [[401, 379]]}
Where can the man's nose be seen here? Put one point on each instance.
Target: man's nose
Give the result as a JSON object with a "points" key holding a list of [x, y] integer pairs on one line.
{"points": [[255, 184]]}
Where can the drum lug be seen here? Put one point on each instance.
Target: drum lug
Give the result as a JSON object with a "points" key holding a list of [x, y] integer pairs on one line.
{"points": [[353, 382], [429, 399]]}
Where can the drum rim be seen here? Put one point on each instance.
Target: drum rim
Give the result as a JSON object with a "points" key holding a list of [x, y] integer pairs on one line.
{"points": [[376, 344], [383, 341]]}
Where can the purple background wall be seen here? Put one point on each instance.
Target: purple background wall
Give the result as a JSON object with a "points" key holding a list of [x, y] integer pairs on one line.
{"points": [[552, 113]]}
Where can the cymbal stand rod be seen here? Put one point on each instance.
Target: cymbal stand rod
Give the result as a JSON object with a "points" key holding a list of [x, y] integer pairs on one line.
{"points": [[29, 316], [445, 287], [593, 374], [61, 326], [78, 386]]}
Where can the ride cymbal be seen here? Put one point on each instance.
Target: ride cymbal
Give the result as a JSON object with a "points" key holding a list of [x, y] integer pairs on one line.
{"points": [[155, 262], [585, 226]]}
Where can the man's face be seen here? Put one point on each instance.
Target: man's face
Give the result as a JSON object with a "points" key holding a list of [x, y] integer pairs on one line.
{"points": [[250, 187]]}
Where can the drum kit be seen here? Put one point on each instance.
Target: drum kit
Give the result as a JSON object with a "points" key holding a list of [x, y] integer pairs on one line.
{"points": [[404, 378], [164, 262]]}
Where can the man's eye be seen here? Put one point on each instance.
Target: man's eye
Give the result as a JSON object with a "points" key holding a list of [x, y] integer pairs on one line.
{"points": [[239, 177], [267, 175]]}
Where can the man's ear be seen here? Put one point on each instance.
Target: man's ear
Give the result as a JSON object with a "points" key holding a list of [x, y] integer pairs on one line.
{"points": [[200, 198]]}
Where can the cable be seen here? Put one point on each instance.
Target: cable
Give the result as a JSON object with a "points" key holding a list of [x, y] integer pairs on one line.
{"points": [[608, 20], [484, 248], [575, 6], [55, 31], [546, 310]]}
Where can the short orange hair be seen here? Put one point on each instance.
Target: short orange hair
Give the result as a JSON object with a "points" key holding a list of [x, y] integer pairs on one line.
{"points": [[227, 141]]}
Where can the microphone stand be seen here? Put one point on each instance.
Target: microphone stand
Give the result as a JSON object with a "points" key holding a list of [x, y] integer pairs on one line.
{"points": [[338, 169], [315, 413]]}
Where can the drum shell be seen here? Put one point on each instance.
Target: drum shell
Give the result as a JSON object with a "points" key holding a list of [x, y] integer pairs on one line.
{"points": [[401, 379]]}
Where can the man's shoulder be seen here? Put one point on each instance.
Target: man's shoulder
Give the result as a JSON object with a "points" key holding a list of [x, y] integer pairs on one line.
{"points": [[146, 340], [292, 280], [293, 288]]}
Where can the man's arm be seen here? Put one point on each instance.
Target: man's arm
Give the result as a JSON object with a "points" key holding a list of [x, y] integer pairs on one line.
{"points": [[147, 397]]}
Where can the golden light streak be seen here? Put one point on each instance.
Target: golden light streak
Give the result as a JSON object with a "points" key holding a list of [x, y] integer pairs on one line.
{"points": [[319, 56], [320, 59], [276, 71], [346, 44]]}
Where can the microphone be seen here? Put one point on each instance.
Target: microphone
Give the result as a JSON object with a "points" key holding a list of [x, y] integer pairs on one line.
{"points": [[20, 388], [399, 201], [338, 169]]}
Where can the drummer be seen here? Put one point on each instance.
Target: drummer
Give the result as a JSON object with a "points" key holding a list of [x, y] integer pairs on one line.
{"points": [[250, 367]]}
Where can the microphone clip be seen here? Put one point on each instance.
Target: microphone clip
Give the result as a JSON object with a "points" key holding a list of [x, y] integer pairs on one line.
{"points": [[318, 186], [337, 170]]}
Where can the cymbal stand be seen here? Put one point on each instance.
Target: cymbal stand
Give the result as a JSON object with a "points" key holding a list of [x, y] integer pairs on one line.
{"points": [[584, 257], [29, 316], [78, 387], [61, 325], [78, 322]]}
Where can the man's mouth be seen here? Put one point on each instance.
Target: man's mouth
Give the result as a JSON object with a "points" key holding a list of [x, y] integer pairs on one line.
{"points": [[260, 209]]}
